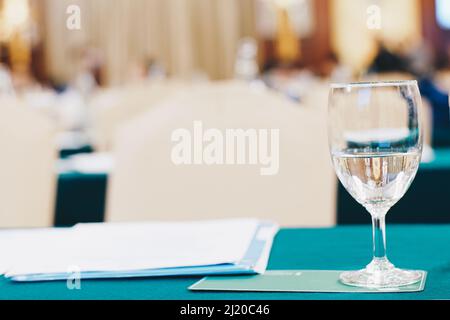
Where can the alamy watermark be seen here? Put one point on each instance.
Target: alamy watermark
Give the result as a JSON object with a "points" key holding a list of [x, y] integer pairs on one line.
{"points": [[74, 278], [199, 146], [73, 21], [373, 17]]}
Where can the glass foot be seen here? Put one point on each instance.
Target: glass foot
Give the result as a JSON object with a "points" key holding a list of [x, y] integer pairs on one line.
{"points": [[380, 273]]}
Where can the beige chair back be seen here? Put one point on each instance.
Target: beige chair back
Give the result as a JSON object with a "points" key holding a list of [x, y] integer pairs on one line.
{"points": [[27, 168], [113, 106], [147, 185]]}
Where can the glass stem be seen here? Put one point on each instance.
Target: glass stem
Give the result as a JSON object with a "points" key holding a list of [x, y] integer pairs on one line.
{"points": [[379, 236]]}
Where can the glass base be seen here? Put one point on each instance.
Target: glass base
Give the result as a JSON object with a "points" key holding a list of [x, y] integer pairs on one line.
{"points": [[380, 273]]}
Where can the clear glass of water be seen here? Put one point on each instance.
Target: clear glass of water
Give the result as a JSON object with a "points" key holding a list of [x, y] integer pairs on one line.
{"points": [[375, 142]]}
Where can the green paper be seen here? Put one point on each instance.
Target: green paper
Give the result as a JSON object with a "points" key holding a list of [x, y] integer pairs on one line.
{"points": [[293, 281]]}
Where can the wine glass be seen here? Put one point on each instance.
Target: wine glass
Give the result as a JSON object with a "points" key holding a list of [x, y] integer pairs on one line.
{"points": [[375, 142]]}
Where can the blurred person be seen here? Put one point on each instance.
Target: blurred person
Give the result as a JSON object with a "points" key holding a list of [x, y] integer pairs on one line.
{"points": [[413, 57], [246, 65], [439, 101], [296, 84], [88, 77], [155, 70], [388, 61], [421, 58], [136, 72], [335, 71], [145, 69], [23, 79], [72, 111]]}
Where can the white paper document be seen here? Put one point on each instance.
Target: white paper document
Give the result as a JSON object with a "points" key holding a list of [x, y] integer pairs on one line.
{"points": [[138, 249]]}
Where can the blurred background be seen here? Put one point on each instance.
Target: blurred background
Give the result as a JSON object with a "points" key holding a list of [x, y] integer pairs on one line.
{"points": [[90, 91]]}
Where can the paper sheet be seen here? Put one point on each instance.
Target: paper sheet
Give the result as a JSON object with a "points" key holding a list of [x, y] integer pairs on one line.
{"points": [[127, 246], [17, 243]]}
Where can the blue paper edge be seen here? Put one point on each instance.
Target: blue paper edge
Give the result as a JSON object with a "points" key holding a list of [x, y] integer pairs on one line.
{"points": [[245, 266]]}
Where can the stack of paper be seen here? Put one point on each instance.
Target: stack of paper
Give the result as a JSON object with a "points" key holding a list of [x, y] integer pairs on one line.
{"points": [[137, 250]]}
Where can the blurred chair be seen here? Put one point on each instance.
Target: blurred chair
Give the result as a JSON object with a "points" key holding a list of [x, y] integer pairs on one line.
{"points": [[27, 166], [147, 185], [112, 107]]}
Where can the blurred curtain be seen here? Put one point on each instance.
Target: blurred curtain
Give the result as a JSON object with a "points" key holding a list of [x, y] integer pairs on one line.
{"points": [[186, 36]]}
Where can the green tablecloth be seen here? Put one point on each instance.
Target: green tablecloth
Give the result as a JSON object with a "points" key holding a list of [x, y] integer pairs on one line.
{"points": [[421, 247]]}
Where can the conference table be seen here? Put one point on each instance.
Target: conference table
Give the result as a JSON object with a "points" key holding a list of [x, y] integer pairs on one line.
{"points": [[423, 247], [81, 197]]}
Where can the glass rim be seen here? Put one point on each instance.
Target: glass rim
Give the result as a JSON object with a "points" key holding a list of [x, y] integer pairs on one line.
{"points": [[367, 84]]}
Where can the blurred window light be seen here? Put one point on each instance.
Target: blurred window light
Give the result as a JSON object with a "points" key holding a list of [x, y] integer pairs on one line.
{"points": [[443, 13], [301, 16], [16, 12], [286, 3], [14, 16]]}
